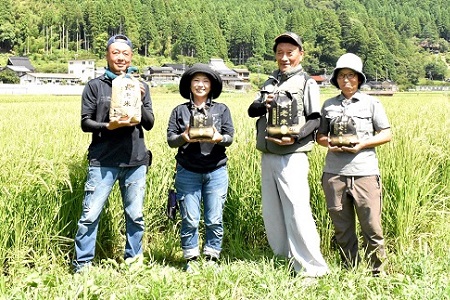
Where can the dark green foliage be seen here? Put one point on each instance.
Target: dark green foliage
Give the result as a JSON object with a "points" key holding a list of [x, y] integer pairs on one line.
{"points": [[389, 35], [8, 76], [435, 69]]}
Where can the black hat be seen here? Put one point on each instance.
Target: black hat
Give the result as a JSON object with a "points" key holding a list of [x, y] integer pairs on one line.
{"points": [[185, 81], [288, 37]]}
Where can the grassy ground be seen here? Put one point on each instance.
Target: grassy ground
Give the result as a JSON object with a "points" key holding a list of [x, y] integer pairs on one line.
{"points": [[41, 187]]}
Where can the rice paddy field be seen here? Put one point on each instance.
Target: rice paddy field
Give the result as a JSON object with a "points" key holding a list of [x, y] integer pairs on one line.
{"points": [[42, 174]]}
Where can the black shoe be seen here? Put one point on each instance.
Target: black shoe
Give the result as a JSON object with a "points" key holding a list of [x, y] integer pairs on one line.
{"points": [[211, 258], [192, 266]]}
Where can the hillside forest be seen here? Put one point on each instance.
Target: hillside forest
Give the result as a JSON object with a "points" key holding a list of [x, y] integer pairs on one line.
{"points": [[400, 40]]}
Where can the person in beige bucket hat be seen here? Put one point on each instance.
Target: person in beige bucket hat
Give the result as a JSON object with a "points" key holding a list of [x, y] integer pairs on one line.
{"points": [[351, 176], [349, 61]]}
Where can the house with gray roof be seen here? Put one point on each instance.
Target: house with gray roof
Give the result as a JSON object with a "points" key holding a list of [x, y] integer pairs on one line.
{"points": [[161, 75], [229, 77], [178, 69], [20, 63]]}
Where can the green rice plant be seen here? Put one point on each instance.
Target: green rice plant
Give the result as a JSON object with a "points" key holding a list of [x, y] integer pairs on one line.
{"points": [[243, 216], [318, 202], [42, 185], [415, 165]]}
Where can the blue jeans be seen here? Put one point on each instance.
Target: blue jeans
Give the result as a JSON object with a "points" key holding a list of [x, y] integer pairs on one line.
{"points": [[99, 184], [192, 188]]}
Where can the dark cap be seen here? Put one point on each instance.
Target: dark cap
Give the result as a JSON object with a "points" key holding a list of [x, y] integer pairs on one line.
{"points": [[288, 37], [186, 78], [119, 38]]}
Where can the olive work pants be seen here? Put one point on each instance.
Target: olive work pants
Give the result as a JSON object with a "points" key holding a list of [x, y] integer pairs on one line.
{"points": [[345, 196]]}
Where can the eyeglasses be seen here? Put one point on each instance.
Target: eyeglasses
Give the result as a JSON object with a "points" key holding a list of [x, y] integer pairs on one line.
{"points": [[348, 76]]}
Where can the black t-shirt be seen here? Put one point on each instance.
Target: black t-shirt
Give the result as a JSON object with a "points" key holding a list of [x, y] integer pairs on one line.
{"points": [[122, 147]]}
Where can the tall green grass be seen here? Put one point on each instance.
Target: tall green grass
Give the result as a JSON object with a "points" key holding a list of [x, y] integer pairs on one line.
{"points": [[415, 169], [41, 189]]}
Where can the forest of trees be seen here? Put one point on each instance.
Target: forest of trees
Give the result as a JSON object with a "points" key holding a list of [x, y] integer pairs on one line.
{"points": [[401, 40]]}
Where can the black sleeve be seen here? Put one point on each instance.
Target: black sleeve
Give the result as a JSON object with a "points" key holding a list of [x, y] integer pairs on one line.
{"points": [[257, 109], [311, 125], [89, 125], [175, 128], [147, 116], [227, 129], [89, 107]]}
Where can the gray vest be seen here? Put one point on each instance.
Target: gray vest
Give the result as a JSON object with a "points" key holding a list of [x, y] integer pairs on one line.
{"points": [[295, 86]]}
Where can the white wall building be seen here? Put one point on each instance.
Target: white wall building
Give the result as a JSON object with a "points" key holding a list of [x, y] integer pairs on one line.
{"points": [[83, 69], [49, 78]]}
